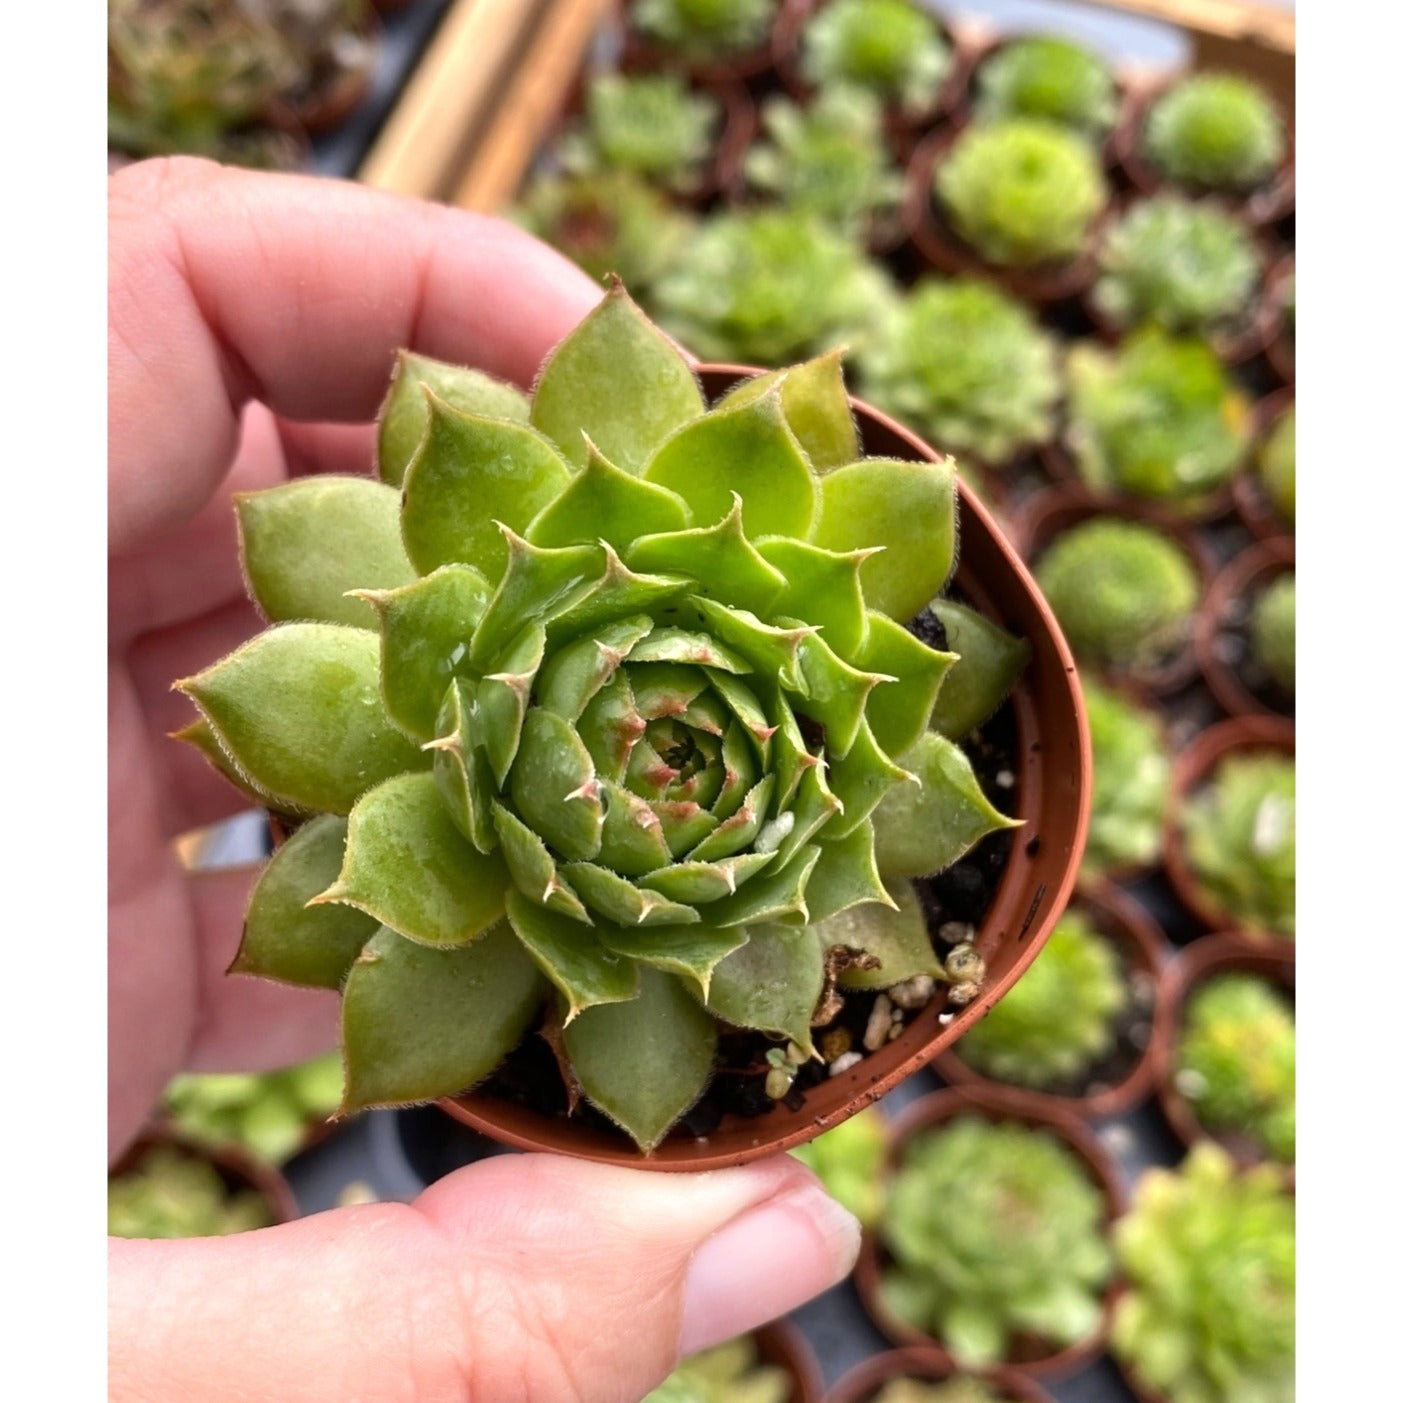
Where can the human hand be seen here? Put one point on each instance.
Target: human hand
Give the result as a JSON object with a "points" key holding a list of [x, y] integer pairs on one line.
{"points": [[252, 325]]}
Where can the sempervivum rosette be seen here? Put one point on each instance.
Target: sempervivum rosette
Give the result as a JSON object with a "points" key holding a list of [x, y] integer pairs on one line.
{"points": [[586, 710]]}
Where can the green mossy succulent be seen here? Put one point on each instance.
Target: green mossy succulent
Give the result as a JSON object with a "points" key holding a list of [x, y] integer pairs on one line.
{"points": [[1180, 265], [1240, 840], [893, 49], [848, 1159], [994, 1232], [1210, 1253], [1021, 192], [1158, 418], [1276, 465], [766, 287], [959, 1388], [269, 1114], [729, 1373], [704, 31], [1130, 783], [1050, 78], [652, 125], [170, 1193], [828, 159], [1060, 1019], [1236, 1061], [609, 735], [1123, 591], [1215, 131], [1273, 630], [967, 366]]}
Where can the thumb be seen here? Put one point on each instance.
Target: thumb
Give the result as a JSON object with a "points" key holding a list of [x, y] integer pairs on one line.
{"points": [[520, 1279]]}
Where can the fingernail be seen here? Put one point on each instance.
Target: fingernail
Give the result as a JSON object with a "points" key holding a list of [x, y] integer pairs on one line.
{"points": [[770, 1259]]}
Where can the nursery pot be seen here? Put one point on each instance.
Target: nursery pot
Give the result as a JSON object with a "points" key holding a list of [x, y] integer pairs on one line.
{"points": [[1192, 767], [781, 1345], [1145, 954], [1195, 965], [1237, 583], [1281, 349], [1248, 497], [1053, 772], [862, 1383], [938, 1109], [640, 52]]}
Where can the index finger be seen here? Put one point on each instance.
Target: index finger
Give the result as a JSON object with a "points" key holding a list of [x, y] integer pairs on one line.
{"points": [[225, 286]]}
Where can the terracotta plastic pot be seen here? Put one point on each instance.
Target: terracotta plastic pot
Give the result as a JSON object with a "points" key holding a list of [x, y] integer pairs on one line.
{"points": [[1053, 776], [862, 1383], [1249, 500], [1235, 585], [1264, 204], [1281, 349], [639, 51], [1145, 954], [1059, 508], [946, 252], [1192, 768], [937, 1109], [334, 95], [780, 1344], [1193, 966]]}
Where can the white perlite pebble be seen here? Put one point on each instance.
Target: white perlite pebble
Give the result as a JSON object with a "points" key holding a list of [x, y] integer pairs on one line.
{"points": [[845, 1063], [1004, 779], [878, 1024], [912, 993], [956, 932]]}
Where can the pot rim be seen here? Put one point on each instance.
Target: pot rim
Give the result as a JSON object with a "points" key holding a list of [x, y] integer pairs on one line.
{"points": [[781, 1343], [1248, 498], [863, 1379]]}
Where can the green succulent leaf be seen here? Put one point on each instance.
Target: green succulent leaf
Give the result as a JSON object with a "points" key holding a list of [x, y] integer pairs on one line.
{"points": [[898, 711], [201, 735], [846, 875], [286, 939], [578, 395], [740, 828], [408, 865], [990, 662], [702, 882], [624, 902], [894, 933], [604, 503], [835, 693], [925, 824], [577, 672], [554, 786], [538, 585], [815, 404], [502, 698], [292, 539], [645, 1062], [774, 896], [771, 983], [571, 956], [298, 709], [404, 417], [471, 474], [461, 768], [419, 1022], [533, 869], [908, 508], [822, 588], [860, 780], [692, 951]]}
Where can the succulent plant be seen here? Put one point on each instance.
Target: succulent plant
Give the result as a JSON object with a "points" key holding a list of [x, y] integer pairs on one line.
{"points": [[1123, 591], [1130, 784], [269, 1114], [994, 1231], [1215, 131], [1021, 191], [1276, 464], [170, 1193], [607, 222], [893, 49], [1158, 417], [848, 1159], [552, 703], [991, 660], [1210, 1253], [1179, 264], [1050, 78], [769, 286], [1059, 1020], [1273, 628], [703, 31], [958, 1388], [1236, 1060], [729, 1373], [965, 365], [1240, 840], [652, 125], [828, 159]]}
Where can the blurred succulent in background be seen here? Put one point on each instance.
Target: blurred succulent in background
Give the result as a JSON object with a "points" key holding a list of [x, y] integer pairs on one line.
{"points": [[994, 1231], [1273, 630], [1179, 264], [966, 366], [1236, 1061], [768, 286], [1240, 840], [1021, 191], [607, 222], [1124, 592], [593, 715], [1130, 784], [170, 1193], [1158, 417], [828, 159], [1060, 1019], [652, 125], [1051, 78], [1276, 465], [729, 1373], [1215, 131], [892, 48], [1210, 1314], [703, 31], [848, 1159]]}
